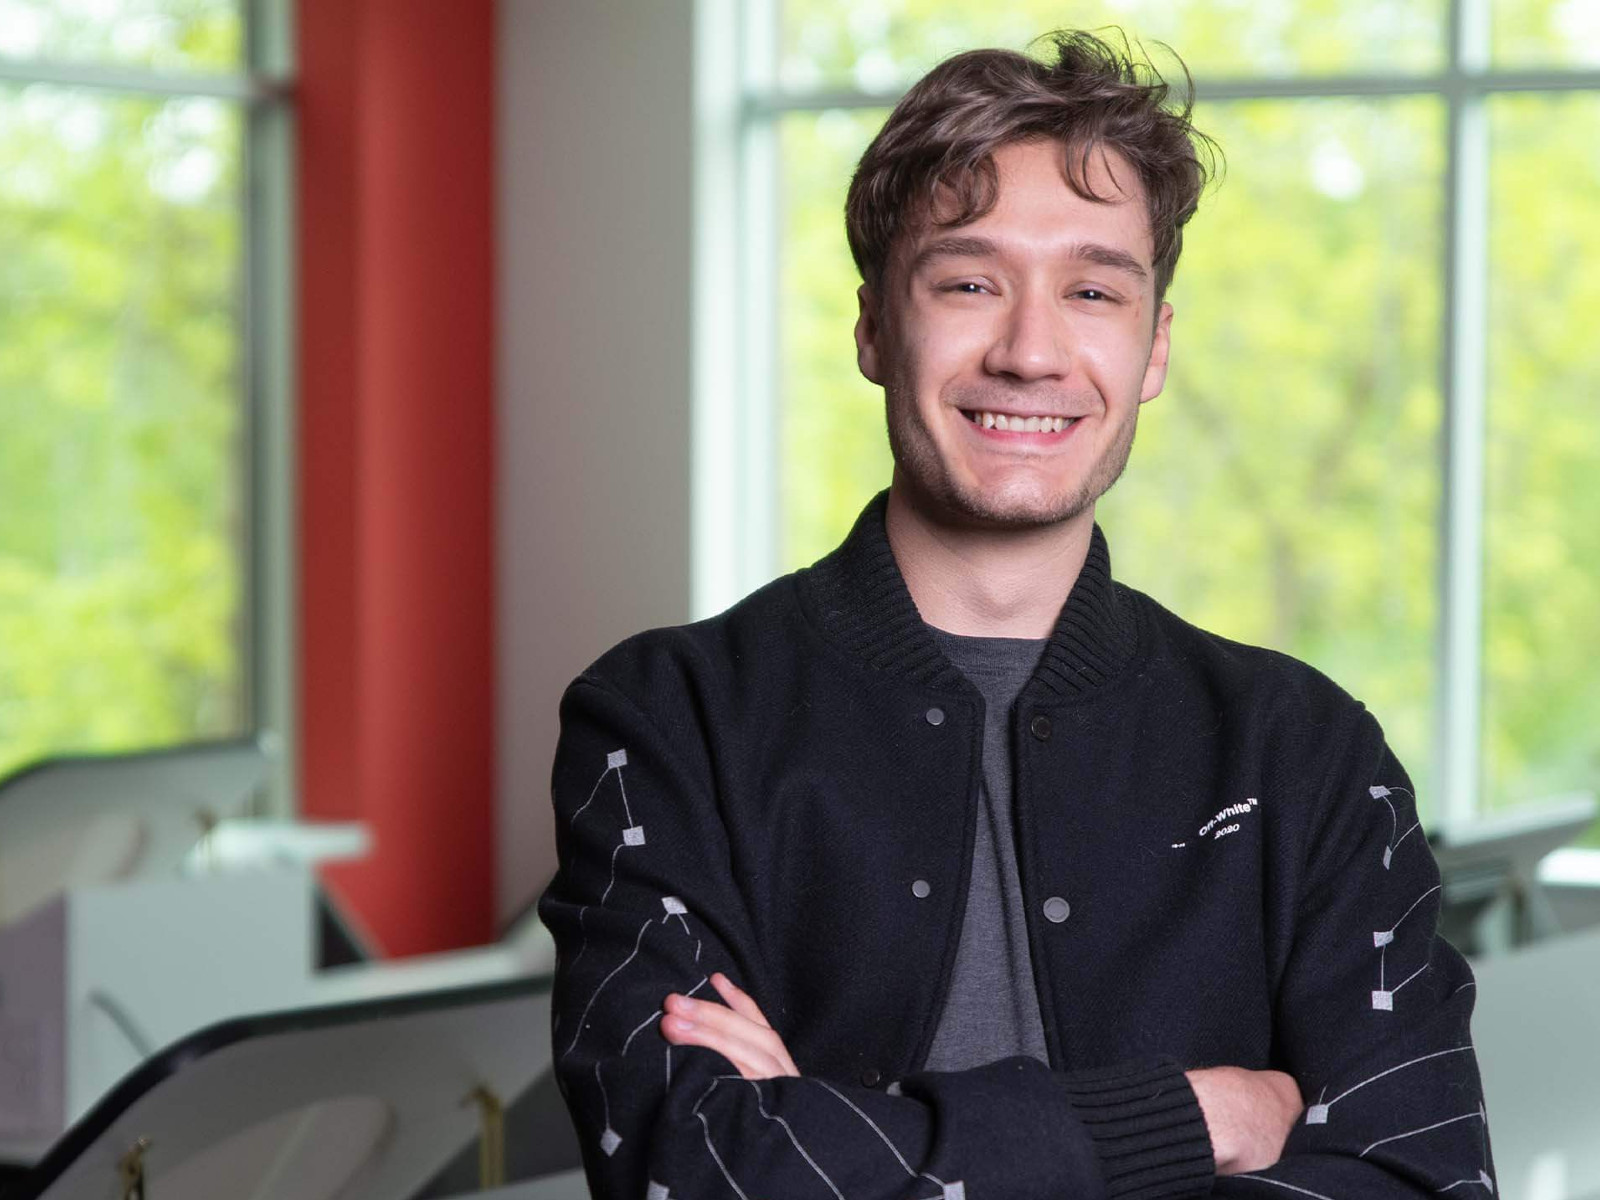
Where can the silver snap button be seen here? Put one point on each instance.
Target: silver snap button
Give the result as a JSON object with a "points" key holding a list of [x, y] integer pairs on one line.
{"points": [[1057, 910], [920, 889], [935, 716]]}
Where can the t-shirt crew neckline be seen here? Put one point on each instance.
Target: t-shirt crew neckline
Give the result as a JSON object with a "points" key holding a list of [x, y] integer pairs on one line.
{"points": [[991, 1010]]}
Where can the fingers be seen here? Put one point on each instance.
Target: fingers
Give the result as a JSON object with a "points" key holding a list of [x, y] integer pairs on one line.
{"points": [[738, 1000], [755, 1051], [749, 1057]]}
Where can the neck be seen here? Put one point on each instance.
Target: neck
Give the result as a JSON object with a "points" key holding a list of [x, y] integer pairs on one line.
{"points": [[985, 582]]}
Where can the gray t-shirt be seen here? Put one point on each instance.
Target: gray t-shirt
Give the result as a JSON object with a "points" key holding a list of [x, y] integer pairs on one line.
{"points": [[992, 1010]]}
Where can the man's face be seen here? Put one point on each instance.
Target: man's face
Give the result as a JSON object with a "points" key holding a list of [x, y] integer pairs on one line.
{"points": [[989, 335]]}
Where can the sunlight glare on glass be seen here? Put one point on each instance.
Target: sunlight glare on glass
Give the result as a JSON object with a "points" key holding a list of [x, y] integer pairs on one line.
{"points": [[155, 34], [1578, 23], [21, 30], [1335, 172]]}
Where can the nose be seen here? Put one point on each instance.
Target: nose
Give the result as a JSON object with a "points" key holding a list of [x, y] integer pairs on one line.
{"points": [[1031, 341]]}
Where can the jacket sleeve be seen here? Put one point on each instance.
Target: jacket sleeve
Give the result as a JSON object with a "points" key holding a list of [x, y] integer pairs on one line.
{"points": [[644, 903], [1374, 1008]]}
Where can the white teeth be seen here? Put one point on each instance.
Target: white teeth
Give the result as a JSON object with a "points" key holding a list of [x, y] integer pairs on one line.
{"points": [[1016, 424]]}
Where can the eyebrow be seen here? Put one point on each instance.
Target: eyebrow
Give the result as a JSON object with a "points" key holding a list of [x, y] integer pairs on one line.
{"points": [[1110, 256], [967, 246]]}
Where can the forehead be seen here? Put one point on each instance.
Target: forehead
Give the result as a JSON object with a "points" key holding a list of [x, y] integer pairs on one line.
{"points": [[1036, 207]]}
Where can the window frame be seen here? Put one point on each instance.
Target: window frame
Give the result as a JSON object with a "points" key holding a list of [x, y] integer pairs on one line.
{"points": [[262, 90], [739, 107]]}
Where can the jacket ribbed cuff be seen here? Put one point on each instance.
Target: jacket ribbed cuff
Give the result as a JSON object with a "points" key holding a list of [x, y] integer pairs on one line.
{"points": [[1147, 1129]]}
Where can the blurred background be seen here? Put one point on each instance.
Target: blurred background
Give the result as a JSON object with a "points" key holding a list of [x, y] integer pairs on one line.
{"points": [[618, 352], [369, 367]]}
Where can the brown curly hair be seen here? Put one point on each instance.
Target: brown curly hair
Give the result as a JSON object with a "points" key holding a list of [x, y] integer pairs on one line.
{"points": [[939, 142]]}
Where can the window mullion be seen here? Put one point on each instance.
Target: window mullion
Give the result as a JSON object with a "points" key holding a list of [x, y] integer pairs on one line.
{"points": [[1459, 713], [245, 87], [268, 390]]}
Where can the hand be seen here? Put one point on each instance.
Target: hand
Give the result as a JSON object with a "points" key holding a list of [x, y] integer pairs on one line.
{"points": [[1249, 1115], [738, 1032]]}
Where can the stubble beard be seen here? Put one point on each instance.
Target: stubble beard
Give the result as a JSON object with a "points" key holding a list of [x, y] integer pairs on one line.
{"points": [[918, 463]]}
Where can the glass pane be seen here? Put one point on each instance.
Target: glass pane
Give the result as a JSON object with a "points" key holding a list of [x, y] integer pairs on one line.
{"points": [[1284, 489], [835, 450], [120, 478], [882, 45], [1542, 628], [1546, 33], [179, 34]]}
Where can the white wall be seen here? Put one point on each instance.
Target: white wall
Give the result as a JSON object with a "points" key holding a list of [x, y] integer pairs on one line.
{"points": [[596, 174]]}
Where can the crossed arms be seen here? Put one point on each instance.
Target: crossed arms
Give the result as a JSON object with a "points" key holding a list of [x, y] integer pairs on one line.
{"points": [[1247, 1113], [644, 908]]}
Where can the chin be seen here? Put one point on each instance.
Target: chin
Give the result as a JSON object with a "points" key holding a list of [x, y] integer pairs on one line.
{"points": [[1013, 507]]}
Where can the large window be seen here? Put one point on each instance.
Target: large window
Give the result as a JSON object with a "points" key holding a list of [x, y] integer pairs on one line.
{"points": [[142, 202], [1374, 447]]}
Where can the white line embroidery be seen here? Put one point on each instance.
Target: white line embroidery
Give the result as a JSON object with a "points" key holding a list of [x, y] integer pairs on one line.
{"points": [[623, 787], [632, 835], [612, 882], [1408, 979], [583, 1020], [605, 1102], [893, 1149], [1482, 1181], [1282, 1184], [592, 794], [1378, 792], [584, 943], [1317, 1114], [761, 1107], [1383, 997], [1413, 907], [717, 1158], [640, 1027], [1471, 1116]]}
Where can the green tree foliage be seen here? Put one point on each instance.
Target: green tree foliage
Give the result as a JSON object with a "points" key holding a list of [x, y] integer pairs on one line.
{"points": [[880, 45], [1286, 487], [1542, 691], [202, 35], [121, 528]]}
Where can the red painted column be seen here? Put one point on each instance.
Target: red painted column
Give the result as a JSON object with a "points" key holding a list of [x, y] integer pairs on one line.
{"points": [[396, 124]]}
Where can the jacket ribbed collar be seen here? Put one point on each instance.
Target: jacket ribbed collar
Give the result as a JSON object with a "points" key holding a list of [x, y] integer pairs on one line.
{"points": [[860, 599]]}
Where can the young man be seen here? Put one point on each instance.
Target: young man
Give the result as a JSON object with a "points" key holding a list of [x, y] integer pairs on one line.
{"points": [[1045, 892]]}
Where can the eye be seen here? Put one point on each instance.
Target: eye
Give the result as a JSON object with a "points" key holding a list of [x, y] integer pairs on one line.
{"points": [[966, 287], [1094, 294]]}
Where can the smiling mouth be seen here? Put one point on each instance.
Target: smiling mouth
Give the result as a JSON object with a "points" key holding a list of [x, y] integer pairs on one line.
{"points": [[1017, 423]]}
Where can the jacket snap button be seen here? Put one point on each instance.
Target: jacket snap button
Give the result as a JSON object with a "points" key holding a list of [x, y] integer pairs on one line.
{"points": [[920, 889], [1057, 910], [870, 1077], [935, 716], [1041, 728]]}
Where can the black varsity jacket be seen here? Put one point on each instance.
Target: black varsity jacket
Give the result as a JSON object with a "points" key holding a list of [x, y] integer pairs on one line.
{"points": [[1220, 863]]}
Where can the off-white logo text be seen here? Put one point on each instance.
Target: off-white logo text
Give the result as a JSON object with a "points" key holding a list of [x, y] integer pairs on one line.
{"points": [[1224, 822]]}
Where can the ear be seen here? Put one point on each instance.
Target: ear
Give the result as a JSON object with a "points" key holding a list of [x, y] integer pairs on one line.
{"points": [[869, 333], [1155, 371]]}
